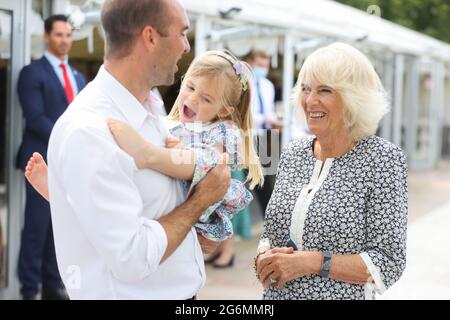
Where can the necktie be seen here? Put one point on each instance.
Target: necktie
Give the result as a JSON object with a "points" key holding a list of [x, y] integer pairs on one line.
{"points": [[261, 103], [67, 85]]}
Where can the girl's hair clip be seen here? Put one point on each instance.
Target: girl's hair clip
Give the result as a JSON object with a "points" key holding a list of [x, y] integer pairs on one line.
{"points": [[239, 67]]}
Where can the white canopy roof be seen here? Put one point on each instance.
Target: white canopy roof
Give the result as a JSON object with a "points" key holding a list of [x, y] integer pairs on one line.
{"points": [[304, 19], [326, 18]]}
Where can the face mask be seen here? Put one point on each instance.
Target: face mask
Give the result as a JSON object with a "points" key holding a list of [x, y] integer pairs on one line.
{"points": [[260, 72]]}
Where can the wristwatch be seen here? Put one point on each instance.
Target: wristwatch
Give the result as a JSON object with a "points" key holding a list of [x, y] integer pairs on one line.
{"points": [[326, 263]]}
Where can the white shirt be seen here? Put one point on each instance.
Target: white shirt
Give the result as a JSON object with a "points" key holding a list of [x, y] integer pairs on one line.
{"points": [[267, 91], [55, 62], [104, 210]]}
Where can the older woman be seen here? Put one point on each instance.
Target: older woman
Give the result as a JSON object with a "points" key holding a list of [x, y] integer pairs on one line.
{"points": [[341, 196]]}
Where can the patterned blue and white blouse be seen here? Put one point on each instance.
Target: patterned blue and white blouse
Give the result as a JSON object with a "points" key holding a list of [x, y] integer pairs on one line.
{"points": [[353, 204], [215, 223]]}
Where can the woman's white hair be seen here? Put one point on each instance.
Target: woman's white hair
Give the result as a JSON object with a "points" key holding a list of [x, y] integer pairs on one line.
{"points": [[349, 72]]}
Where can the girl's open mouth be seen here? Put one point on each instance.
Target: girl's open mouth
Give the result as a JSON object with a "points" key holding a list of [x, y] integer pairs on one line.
{"points": [[188, 112]]}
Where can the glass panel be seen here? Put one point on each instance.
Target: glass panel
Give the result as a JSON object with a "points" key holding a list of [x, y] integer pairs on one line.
{"points": [[5, 75], [36, 22]]}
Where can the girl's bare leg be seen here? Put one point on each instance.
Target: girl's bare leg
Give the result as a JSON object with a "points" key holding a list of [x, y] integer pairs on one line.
{"points": [[36, 173]]}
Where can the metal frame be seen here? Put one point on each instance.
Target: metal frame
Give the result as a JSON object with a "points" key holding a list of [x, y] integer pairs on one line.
{"points": [[20, 51], [288, 84], [437, 109], [397, 106], [412, 107], [388, 81]]}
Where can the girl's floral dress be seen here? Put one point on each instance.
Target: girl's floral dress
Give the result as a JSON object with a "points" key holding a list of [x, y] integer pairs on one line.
{"points": [[208, 141]]}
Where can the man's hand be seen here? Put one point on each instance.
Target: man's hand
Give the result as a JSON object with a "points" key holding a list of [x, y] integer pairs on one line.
{"points": [[214, 186], [208, 246], [207, 192]]}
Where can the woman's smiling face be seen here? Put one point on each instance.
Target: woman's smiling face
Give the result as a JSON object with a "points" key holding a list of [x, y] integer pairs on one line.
{"points": [[323, 108]]}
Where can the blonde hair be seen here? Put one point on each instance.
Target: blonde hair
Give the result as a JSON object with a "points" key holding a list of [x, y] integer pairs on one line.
{"points": [[351, 74], [218, 65]]}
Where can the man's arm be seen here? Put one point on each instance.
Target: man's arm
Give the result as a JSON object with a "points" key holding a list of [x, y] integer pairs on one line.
{"points": [[32, 102], [210, 190], [108, 204]]}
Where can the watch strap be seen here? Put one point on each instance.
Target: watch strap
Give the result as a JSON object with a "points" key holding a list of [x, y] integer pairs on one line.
{"points": [[326, 263]]}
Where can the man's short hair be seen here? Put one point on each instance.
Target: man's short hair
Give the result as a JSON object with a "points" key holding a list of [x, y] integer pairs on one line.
{"points": [[122, 20], [48, 24]]}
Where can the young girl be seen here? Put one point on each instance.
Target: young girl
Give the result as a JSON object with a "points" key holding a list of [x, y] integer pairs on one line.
{"points": [[213, 107]]}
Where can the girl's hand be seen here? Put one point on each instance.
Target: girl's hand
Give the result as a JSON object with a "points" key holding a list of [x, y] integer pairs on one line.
{"points": [[174, 143], [129, 141]]}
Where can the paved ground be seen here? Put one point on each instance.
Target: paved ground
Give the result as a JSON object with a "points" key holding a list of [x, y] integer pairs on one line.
{"points": [[427, 275]]}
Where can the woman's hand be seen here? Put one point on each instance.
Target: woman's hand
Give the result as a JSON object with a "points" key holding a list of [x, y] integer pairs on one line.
{"points": [[265, 265], [281, 265], [129, 141]]}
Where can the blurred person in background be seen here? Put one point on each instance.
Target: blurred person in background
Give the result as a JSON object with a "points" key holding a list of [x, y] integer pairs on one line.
{"points": [[46, 87], [335, 226], [265, 121]]}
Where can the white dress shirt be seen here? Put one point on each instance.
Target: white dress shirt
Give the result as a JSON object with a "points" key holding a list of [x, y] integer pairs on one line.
{"points": [[55, 62], [104, 210], [267, 91]]}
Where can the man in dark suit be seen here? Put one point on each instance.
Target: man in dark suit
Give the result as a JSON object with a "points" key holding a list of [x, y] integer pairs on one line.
{"points": [[46, 87]]}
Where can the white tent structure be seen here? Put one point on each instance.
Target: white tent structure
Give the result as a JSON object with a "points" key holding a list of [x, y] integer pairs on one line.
{"points": [[406, 60], [415, 68]]}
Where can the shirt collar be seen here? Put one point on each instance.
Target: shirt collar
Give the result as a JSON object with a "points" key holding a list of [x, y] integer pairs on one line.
{"points": [[130, 107], [153, 103], [54, 60]]}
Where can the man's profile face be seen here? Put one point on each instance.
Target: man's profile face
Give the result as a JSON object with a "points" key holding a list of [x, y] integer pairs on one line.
{"points": [[175, 44], [59, 40]]}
